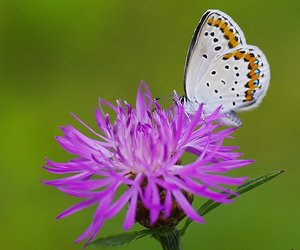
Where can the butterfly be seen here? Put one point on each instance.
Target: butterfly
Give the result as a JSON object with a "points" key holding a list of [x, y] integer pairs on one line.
{"points": [[221, 69]]}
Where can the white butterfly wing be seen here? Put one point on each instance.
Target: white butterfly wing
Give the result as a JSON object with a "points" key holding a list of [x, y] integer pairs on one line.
{"points": [[237, 80], [215, 35]]}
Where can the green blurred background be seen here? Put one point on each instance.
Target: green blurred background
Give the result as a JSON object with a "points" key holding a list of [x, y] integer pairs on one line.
{"points": [[57, 57]]}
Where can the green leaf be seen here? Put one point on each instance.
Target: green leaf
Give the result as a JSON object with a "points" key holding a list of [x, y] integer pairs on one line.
{"points": [[247, 186], [119, 240]]}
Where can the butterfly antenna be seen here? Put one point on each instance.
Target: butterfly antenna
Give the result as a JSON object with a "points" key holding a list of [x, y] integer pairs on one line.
{"points": [[165, 101]]}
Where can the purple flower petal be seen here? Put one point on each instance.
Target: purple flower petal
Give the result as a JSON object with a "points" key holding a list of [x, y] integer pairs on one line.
{"points": [[130, 215], [186, 206]]}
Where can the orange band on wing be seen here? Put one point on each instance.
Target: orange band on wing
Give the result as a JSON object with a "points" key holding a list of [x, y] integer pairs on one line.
{"points": [[228, 32], [254, 72]]}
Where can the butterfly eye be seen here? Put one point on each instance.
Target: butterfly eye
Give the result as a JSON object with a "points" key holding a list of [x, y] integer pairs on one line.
{"points": [[182, 99]]}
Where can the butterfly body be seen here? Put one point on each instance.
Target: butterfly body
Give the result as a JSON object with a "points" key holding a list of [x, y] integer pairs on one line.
{"points": [[223, 70]]}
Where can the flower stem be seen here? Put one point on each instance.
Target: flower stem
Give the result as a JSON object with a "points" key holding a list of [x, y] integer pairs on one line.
{"points": [[169, 240]]}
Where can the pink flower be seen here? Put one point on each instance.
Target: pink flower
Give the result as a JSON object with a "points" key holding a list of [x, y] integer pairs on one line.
{"points": [[140, 154]]}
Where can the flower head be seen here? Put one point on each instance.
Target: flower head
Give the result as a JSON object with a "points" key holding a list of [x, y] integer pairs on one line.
{"points": [[141, 152]]}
